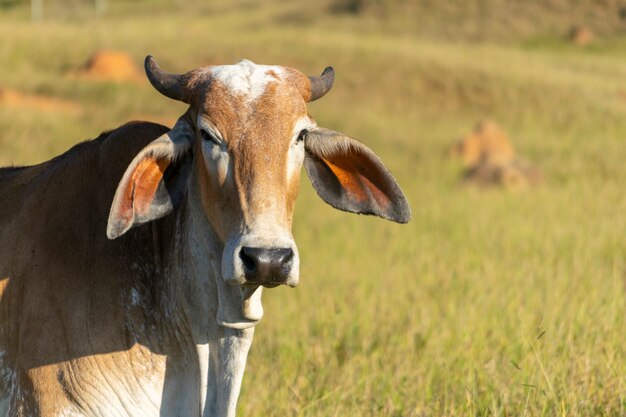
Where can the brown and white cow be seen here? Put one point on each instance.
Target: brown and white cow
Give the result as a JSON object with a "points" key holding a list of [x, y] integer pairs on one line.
{"points": [[157, 319]]}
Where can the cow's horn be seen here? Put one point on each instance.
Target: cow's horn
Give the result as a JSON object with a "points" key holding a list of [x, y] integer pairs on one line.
{"points": [[170, 85], [322, 84]]}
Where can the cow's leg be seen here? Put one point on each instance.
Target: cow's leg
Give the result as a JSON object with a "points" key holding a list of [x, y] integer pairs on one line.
{"points": [[234, 348], [228, 359], [233, 352]]}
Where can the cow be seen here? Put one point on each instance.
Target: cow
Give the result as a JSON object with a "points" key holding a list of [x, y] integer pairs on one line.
{"points": [[132, 266]]}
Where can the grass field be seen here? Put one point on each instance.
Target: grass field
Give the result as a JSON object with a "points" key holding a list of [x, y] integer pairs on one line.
{"points": [[489, 302]]}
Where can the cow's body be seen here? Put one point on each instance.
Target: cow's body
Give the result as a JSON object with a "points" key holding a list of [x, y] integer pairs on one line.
{"points": [[100, 327], [157, 319]]}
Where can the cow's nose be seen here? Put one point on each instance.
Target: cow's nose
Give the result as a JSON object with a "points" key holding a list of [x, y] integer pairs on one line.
{"points": [[266, 266]]}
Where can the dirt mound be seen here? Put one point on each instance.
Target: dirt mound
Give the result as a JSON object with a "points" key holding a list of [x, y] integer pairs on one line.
{"points": [[509, 174], [15, 99], [107, 65], [581, 35], [489, 159], [486, 143]]}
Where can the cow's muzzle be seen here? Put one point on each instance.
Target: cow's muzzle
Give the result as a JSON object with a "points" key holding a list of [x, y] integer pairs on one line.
{"points": [[261, 258], [269, 267]]}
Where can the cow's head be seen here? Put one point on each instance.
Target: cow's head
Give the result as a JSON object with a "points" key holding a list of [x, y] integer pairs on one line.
{"points": [[246, 135]]}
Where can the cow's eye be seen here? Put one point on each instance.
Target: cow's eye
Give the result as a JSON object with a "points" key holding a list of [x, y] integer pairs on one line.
{"points": [[302, 135], [208, 137]]}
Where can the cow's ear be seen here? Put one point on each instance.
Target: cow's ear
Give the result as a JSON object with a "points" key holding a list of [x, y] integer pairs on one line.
{"points": [[350, 177], [154, 182]]}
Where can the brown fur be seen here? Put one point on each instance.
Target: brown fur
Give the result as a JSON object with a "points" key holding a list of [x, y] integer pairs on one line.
{"points": [[54, 251], [258, 146]]}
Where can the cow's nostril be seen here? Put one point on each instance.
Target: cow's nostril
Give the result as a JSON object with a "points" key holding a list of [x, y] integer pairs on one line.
{"points": [[266, 265], [249, 263], [285, 260]]}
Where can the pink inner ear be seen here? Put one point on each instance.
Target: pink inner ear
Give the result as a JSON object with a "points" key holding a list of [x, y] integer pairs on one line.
{"points": [[143, 185], [359, 180]]}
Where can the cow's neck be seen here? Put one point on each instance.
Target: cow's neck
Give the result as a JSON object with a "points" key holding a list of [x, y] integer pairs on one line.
{"points": [[196, 261], [203, 305]]}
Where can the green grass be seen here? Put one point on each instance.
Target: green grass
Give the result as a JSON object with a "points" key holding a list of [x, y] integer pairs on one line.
{"points": [[489, 303]]}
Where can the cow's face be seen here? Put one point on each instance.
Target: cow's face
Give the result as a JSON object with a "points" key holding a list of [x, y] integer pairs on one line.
{"points": [[246, 136], [250, 124]]}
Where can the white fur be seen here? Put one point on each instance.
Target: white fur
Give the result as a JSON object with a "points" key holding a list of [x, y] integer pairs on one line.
{"points": [[252, 306], [295, 158], [246, 78], [226, 327], [69, 412], [134, 297], [203, 363], [215, 155]]}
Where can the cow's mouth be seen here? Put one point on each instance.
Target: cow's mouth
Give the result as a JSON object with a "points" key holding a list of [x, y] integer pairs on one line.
{"points": [[239, 306], [255, 285]]}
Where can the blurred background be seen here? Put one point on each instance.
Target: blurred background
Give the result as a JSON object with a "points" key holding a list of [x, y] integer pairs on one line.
{"points": [[503, 121]]}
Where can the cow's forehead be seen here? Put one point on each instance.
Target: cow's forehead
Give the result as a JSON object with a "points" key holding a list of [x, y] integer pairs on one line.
{"points": [[246, 78], [232, 94]]}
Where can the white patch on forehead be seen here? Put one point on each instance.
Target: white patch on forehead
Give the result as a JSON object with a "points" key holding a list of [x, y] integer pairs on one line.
{"points": [[246, 78]]}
